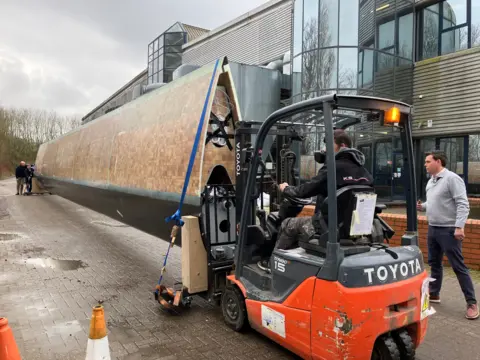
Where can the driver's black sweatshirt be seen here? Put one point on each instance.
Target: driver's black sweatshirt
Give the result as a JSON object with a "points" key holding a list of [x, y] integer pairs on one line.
{"points": [[350, 170]]}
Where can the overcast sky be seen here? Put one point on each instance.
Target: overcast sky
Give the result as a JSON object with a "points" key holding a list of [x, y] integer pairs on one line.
{"points": [[70, 55]]}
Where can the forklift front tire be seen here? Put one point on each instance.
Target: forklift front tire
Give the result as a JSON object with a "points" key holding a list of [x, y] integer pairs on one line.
{"points": [[405, 344], [385, 348], [234, 309]]}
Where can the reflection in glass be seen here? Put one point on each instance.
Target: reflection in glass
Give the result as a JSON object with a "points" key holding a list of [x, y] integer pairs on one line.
{"points": [[365, 68], [297, 75], [297, 27], [366, 26], [430, 31], [475, 27], [454, 13], [405, 36], [384, 75], [310, 71], [174, 39], [386, 35], [328, 23], [455, 40], [310, 25], [348, 22], [327, 74], [173, 60], [348, 68]]}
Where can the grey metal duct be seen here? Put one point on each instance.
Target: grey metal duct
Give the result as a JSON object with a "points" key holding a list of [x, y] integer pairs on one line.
{"points": [[151, 87], [184, 70]]}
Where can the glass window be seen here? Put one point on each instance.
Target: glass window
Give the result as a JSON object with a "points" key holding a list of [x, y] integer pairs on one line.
{"points": [[172, 48], [386, 35], [348, 22], [328, 23], [453, 148], [297, 75], [455, 40], [160, 62], [405, 36], [175, 28], [155, 45], [297, 27], [173, 60], [365, 68], [310, 25], [475, 31], [327, 63], [348, 68], [430, 31], [454, 13], [310, 70], [155, 65], [174, 39]]}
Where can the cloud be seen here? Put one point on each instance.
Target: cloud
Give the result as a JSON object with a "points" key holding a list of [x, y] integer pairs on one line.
{"points": [[71, 55]]}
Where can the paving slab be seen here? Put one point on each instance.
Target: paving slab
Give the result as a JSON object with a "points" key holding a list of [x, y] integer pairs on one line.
{"points": [[58, 260]]}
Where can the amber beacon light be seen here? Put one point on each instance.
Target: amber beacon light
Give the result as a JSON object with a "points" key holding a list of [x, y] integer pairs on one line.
{"points": [[392, 116]]}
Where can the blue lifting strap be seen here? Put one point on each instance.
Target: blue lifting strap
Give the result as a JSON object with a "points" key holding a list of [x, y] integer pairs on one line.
{"points": [[177, 216]]}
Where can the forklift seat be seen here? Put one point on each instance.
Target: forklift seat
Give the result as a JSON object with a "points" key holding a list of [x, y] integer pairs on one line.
{"points": [[346, 202]]}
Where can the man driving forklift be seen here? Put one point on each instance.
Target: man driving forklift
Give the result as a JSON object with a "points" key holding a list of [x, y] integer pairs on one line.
{"points": [[350, 170]]}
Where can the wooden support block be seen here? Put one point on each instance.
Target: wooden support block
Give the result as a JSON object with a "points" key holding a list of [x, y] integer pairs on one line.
{"points": [[194, 257]]}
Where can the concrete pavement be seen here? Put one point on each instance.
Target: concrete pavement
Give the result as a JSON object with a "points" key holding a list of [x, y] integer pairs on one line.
{"points": [[57, 260]]}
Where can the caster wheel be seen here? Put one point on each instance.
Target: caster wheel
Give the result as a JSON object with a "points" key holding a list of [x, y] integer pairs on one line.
{"points": [[385, 348], [405, 344], [234, 309]]}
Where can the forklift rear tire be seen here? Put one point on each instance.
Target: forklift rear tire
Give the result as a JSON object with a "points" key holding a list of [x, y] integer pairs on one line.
{"points": [[405, 344], [385, 348], [234, 309]]}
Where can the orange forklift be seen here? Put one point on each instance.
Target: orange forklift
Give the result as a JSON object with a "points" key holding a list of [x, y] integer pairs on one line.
{"points": [[342, 294]]}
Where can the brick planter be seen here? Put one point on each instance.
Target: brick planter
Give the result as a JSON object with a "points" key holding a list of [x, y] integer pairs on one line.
{"points": [[471, 244]]}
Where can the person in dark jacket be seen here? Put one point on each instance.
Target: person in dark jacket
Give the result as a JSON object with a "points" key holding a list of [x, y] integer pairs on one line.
{"points": [[20, 176], [350, 170], [28, 178]]}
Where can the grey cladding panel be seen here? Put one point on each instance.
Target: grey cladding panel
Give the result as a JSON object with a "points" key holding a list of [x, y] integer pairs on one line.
{"points": [[257, 41], [450, 90]]}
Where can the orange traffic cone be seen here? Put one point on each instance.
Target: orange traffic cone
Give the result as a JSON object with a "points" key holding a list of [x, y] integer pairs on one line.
{"points": [[97, 346], [8, 346]]}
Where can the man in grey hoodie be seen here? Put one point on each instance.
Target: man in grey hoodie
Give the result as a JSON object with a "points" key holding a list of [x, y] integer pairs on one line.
{"points": [[447, 209], [350, 170]]}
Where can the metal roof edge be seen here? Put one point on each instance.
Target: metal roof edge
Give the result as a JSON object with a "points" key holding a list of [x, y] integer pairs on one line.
{"points": [[262, 8]]}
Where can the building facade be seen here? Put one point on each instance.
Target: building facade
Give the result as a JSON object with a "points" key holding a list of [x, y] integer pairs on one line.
{"points": [[423, 52]]}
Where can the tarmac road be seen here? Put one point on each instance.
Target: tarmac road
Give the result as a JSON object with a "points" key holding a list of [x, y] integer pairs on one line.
{"points": [[58, 259]]}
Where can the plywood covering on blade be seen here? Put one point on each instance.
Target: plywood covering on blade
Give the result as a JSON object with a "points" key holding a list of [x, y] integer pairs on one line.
{"points": [[146, 144], [225, 101]]}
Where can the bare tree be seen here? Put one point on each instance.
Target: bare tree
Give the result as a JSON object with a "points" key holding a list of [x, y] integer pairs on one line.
{"points": [[23, 130]]}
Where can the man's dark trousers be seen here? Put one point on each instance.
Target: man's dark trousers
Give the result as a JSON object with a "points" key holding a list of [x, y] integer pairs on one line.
{"points": [[441, 241]]}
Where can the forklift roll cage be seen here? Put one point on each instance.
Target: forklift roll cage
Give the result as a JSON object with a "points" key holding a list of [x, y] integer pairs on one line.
{"points": [[327, 104]]}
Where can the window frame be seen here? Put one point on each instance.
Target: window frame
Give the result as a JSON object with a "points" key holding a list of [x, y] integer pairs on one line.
{"points": [[420, 11]]}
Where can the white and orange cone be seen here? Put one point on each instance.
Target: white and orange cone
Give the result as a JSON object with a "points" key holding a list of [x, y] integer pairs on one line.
{"points": [[97, 346]]}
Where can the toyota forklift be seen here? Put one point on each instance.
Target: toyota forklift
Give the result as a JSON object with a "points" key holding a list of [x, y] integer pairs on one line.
{"points": [[342, 294]]}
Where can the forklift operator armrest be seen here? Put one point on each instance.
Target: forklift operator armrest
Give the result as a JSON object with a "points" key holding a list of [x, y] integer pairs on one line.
{"points": [[379, 208]]}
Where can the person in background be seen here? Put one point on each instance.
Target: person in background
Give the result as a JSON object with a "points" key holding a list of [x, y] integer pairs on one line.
{"points": [[447, 210], [20, 176], [28, 178]]}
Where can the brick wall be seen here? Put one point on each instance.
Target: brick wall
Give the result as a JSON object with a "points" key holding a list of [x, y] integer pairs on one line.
{"points": [[471, 243]]}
